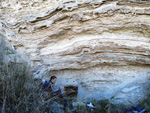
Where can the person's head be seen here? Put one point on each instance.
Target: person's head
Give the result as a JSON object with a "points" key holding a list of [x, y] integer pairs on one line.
{"points": [[53, 79]]}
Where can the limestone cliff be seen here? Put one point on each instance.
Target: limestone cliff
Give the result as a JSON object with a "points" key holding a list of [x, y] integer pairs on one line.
{"points": [[100, 46]]}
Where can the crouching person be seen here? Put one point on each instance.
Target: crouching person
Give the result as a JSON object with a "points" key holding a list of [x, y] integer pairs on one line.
{"points": [[55, 91]]}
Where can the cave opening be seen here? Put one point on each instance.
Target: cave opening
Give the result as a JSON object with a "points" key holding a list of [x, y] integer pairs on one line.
{"points": [[71, 91]]}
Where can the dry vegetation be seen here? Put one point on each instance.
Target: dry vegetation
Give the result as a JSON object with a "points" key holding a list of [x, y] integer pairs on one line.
{"points": [[19, 93]]}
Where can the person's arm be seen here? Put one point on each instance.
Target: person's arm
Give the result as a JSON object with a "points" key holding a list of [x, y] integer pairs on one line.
{"points": [[54, 89]]}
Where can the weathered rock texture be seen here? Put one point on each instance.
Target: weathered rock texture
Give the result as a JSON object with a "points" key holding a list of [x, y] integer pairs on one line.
{"points": [[8, 54], [101, 46]]}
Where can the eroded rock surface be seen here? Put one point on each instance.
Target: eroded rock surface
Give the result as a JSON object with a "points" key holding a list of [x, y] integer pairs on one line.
{"points": [[101, 46]]}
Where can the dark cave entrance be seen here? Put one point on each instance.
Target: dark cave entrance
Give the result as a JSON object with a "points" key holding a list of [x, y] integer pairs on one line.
{"points": [[71, 91]]}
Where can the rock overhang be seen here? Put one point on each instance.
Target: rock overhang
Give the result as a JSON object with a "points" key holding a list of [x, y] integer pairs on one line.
{"points": [[84, 39]]}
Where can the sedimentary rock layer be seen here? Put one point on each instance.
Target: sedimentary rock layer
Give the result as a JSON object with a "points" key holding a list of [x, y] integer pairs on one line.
{"points": [[77, 35]]}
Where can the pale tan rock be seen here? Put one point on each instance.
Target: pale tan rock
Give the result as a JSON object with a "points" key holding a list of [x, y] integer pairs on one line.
{"points": [[101, 46]]}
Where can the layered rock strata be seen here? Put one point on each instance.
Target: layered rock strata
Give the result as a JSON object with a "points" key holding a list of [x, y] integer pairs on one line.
{"points": [[100, 46]]}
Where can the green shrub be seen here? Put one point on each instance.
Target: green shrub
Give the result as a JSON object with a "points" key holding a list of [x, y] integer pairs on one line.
{"points": [[145, 104], [104, 106], [101, 106]]}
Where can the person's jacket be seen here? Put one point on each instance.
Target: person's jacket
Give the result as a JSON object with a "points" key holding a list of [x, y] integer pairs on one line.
{"points": [[48, 86]]}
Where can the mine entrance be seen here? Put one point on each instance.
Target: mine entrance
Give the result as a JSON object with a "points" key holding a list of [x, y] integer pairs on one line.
{"points": [[71, 91]]}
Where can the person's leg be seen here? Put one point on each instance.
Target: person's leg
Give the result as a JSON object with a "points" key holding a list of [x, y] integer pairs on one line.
{"points": [[60, 95], [63, 99], [66, 102]]}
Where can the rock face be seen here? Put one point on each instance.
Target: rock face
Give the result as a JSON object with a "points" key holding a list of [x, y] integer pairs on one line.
{"points": [[8, 54], [100, 46]]}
